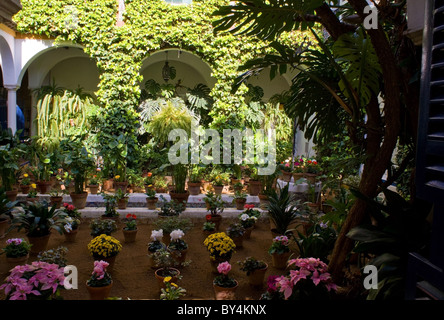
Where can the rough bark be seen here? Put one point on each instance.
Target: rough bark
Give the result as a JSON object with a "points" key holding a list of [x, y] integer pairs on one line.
{"points": [[378, 162]]}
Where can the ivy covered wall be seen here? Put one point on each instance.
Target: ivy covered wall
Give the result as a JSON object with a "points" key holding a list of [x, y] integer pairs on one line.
{"points": [[150, 25]]}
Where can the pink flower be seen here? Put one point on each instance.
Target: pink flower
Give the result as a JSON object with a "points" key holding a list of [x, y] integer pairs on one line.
{"points": [[100, 268], [271, 283], [285, 286], [224, 267]]}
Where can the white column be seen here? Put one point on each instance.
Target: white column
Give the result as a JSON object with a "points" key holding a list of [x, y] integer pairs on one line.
{"points": [[12, 107]]}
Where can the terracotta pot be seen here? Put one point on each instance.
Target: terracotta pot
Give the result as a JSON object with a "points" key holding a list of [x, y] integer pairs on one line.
{"points": [[25, 188], [71, 236], [280, 260], [93, 188], [151, 203], [180, 197], [311, 177], [194, 188], [129, 235], [263, 201], [256, 277], [238, 241], [314, 207], [111, 261], [56, 201], [18, 261], [223, 293], [286, 176], [44, 186], [161, 190], [214, 263], [160, 277], [108, 184], [254, 187], [218, 189], [297, 176], [122, 203], [99, 293], [79, 199], [216, 219], [4, 225], [240, 202], [179, 255], [12, 195], [122, 185], [247, 233], [38, 244]]}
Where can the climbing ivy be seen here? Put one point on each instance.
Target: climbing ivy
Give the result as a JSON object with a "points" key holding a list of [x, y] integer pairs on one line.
{"points": [[150, 25]]}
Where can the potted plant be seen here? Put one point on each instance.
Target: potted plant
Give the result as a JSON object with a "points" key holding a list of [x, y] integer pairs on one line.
{"points": [[317, 283], [247, 222], [43, 172], [115, 158], [280, 251], [37, 281], [170, 208], [298, 169], [54, 256], [148, 182], [267, 188], [179, 194], [160, 184], [286, 170], [251, 211], [177, 246], [240, 198], [10, 152], [223, 282], [122, 199], [255, 270], [221, 248], [151, 199], [79, 161], [154, 245], [218, 182], [110, 207], [215, 206], [171, 291], [6, 208], [254, 184], [312, 170], [93, 184], [130, 228], [168, 224], [38, 219], [236, 232], [208, 226], [102, 226], [195, 180], [32, 194], [236, 178], [165, 261], [25, 184], [238, 186], [17, 252], [312, 199], [104, 247], [100, 283], [56, 198], [282, 210]]}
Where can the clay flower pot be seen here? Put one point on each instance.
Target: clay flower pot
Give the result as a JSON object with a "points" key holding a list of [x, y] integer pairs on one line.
{"points": [[254, 187], [223, 293], [24, 188], [71, 236], [38, 244], [79, 199], [280, 260], [56, 201], [122, 203], [151, 203], [12, 195], [44, 186], [17, 261], [180, 197], [123, 185], [240, 202], [256, 277], [218, 189], [194, 188], [99, 293], [160, 277], [129, 235], [93, 189], [286, 176]]}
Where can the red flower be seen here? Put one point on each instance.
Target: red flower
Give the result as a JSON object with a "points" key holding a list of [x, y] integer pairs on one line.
{"points": [[208, 217], [249, 206], [65, 204], [315, 162], [149, 174], [134, 216], [309, 161], [71, 207], [128, 215]]}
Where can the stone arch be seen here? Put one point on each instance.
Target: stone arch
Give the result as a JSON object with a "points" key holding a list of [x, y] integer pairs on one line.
{"points": [[7, 62]]}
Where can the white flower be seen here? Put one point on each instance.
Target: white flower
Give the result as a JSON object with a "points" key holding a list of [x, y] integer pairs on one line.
{"points": [[176, 234], [156, 235], [244, 217]]}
